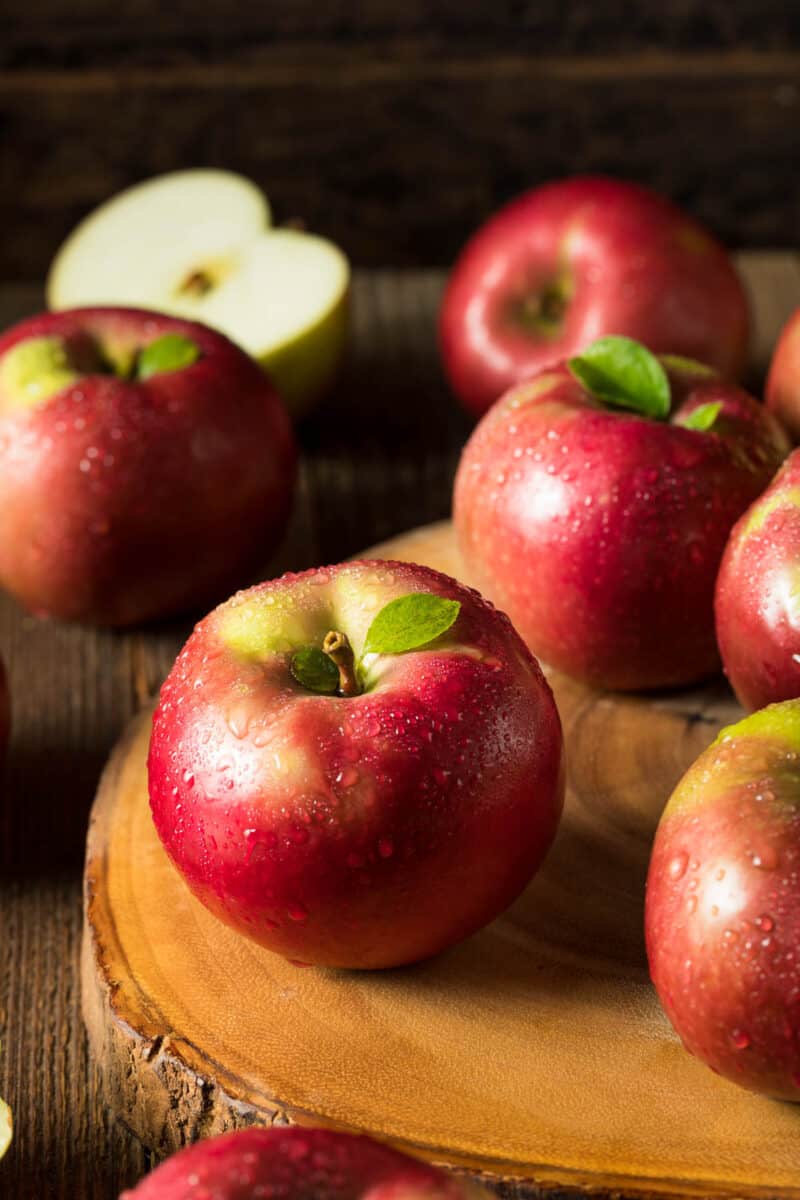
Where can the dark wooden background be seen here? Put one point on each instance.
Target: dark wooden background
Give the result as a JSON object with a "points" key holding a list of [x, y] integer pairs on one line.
{"points": [[396, 128]]}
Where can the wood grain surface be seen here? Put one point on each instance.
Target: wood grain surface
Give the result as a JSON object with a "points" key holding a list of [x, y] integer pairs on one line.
{"points": [[378, 459], [545, 1020], [396, 129]]}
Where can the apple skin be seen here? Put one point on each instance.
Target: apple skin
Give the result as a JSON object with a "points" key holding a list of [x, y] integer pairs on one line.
{"points": [[121, 500], [368, 831], [298, 1164], [619, 259], [757, 599], [600, 532], [5, 711], [782, 393], [723, 904]]}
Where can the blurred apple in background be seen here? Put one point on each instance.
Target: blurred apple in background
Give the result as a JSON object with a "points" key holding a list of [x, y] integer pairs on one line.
{"points": [[146, 465], [593, 504], [365, 819], [783, 382], [577, 259], [198, 244], [298, 1164], [758, 595], [723, 904]]}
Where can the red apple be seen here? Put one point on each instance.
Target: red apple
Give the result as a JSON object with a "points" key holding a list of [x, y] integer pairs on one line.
{"points": [[758, 595], [298, 1164], [146, 464], [5, 711], [366, 819], [600, 530], [723, 904], [577, 259], [783, 382]]}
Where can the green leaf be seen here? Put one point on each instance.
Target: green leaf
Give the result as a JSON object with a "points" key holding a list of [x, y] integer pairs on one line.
{"points": [[315, 670], [410, 622], [623, 373], [701, 418], [172, 352], [686, 366]]}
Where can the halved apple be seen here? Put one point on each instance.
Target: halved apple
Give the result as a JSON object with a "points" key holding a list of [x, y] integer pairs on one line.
{"points": [[199, 244]]}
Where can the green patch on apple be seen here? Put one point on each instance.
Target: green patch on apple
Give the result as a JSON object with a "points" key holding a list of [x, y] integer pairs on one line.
{"points": [[33, 371], [763, 509], [777, 722]]}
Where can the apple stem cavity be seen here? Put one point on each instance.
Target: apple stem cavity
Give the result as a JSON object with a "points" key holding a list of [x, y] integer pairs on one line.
{"points": [[543, 312], [197, 283], [337, 646]]}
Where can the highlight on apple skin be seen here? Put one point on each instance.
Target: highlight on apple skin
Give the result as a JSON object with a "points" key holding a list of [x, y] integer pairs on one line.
{"points": [[598, 524], [200, 244], [723, 904], [577, 259], [758, 595], [146, 465], [782, 393], [298, 1164], [368, 829]]}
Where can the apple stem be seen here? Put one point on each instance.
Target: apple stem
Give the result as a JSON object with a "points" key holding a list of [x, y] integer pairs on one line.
{"points": [[339, 650]]}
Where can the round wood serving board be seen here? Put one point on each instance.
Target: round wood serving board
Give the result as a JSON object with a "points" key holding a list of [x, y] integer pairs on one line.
{"points": [[537, 1049]]}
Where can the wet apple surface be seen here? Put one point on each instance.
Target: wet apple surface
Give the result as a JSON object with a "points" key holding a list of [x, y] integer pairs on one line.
{"points": [[362, 830], [758, 595], [298, 1164], [599, 525], [723, 904], [146, 464]]}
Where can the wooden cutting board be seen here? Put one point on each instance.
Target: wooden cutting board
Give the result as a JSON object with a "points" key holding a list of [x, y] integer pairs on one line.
{"points": [[537, 1049]]}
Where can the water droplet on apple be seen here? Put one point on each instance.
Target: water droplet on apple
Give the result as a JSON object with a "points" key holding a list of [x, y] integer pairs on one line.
{"points": [[348, 776], [677, 868], [765, 859], [739, 1039], [238, 721], [297, 911], [766, 923], [691, 904], [188, 778], [386, 847]]}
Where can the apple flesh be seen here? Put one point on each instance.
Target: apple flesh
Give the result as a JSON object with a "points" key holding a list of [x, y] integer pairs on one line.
{"points": [[758, 595], [365, 830], [782, 393], [723, 904], [125, 497], [576, 259], [298, 1164], [198, 244], [600, 531]]}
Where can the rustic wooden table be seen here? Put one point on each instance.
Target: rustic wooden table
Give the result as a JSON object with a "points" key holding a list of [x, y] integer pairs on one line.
{"points": [[378, 458]]}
